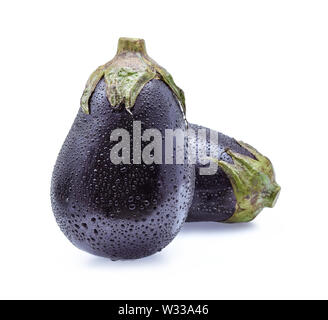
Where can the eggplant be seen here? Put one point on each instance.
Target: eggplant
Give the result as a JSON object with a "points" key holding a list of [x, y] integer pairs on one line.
{"points": [[242, 186], [130, 209]]}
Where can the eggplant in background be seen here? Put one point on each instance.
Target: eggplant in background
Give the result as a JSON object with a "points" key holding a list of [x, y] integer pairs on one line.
{"points": [[243, 185]]}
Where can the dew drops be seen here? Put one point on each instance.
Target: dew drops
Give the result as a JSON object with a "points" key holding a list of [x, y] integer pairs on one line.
{"points": [[132, 206]]}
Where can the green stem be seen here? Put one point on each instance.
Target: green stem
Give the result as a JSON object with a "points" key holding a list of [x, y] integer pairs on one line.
{"points": [[253, 182], [132, 45]]}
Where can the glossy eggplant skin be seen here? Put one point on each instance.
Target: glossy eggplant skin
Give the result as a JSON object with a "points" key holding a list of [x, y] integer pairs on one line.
{"points": [[120, 211], [214, 198]]}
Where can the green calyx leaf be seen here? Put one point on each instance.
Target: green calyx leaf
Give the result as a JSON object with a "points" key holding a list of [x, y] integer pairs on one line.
{"points": [[253, 182], [90, 87], [127, 74], [124, 84]]}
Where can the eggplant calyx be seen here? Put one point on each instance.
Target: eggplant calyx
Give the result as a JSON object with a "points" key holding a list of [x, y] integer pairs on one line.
{"points": [[253, 182], [126, 74]]}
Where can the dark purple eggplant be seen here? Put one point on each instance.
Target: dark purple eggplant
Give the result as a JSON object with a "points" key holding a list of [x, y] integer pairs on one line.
{"points": [[242, 186], [122, 211]]}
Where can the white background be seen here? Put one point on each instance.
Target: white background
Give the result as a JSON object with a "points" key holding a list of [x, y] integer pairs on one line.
{"points": [[255, 70]]}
